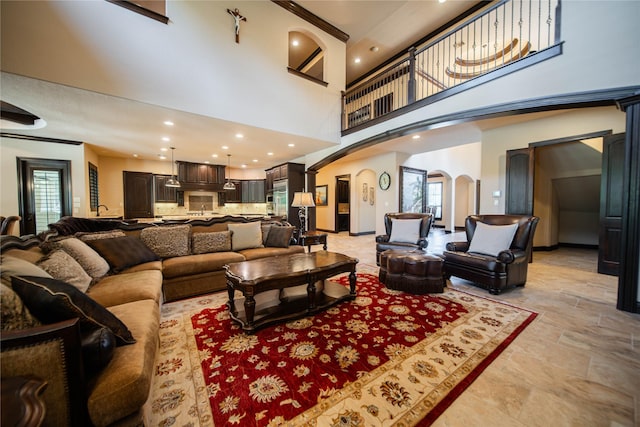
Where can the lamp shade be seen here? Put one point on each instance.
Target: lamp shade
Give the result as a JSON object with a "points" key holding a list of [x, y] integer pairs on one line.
{"points": [[302, 200]]}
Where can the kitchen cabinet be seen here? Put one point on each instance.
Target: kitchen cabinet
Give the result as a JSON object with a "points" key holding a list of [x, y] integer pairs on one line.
{"points": [[200, 173], [253, 191], [293, 175], [162, 193], [234, 196], [269, 180]]}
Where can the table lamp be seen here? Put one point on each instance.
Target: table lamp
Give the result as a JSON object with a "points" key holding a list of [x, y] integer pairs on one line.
{"points": [[302, 200]]}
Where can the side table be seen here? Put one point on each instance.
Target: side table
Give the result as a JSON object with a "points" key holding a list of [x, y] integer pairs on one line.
{"points": [[313, 237]]}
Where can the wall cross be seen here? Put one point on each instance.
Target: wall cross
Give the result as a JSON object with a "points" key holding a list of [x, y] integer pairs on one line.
{"points": [[237, 17]]}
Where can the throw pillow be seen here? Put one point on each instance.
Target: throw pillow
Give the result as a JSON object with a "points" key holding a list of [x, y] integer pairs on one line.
{"points": [[123, 252], [492, 239], [14, 315], [246, 236], [86, 235], [216, 241], [279, 237], [60, 265], [12, 266], [52, 301], [90, 260], [405, 230], [97, 349], [168, 241], [265, 233]]}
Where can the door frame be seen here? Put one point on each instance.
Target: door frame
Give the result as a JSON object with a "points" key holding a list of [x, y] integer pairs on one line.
{"points": [[25, 185]]}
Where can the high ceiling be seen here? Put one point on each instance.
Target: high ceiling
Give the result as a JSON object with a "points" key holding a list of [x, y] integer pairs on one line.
{"points": [[115, 126]]}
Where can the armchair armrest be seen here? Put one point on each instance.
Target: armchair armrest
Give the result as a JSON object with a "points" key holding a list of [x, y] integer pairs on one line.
{"points": [[510, 256], [423, 243], [52, 353], [462, 246], [382, 238]]}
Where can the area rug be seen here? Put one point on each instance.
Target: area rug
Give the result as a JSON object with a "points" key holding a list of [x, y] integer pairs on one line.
{"points": [[386, 358]]}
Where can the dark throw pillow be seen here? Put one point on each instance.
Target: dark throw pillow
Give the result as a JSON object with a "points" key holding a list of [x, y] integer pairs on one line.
{"points": [[123, 252], [52, 301], [97, 349], [279, 237]]}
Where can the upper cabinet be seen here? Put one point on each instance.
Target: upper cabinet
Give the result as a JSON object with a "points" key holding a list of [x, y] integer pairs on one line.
{"points": [[200, 173], [162, 193]]}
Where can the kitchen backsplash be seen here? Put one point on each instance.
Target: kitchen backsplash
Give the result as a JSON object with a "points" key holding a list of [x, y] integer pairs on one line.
{"points": [[208, 202]]}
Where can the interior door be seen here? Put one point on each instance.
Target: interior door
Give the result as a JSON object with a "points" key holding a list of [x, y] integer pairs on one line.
{"points": [[138, 197], [519, 181], [611, 205], [44, 193]]}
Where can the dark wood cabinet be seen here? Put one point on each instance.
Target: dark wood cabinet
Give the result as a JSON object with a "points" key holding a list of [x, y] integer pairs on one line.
{"points": [[138, 194], [293, 173], [234, 196], [269, 180], [200, 173], [253, 191], [162, 193]]}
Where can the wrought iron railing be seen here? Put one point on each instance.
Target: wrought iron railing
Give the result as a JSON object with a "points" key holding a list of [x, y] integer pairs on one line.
{"points": [[502, 34]]}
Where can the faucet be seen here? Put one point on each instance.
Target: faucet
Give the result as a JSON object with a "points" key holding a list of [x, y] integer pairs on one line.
{"points": [[98, 209]]}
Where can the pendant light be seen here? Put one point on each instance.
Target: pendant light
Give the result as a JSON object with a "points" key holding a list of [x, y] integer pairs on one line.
{"points": [[229, 185], [173, 181]]}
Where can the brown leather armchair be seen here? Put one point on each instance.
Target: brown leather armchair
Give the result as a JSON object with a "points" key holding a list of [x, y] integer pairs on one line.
{"points": [[495, 273], [382, 240]]}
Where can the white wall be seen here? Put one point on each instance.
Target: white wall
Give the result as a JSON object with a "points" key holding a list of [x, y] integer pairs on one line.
{"points": [[101, 47]]}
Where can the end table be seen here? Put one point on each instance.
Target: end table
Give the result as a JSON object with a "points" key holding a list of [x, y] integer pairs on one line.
{"points": [[313, 237]]}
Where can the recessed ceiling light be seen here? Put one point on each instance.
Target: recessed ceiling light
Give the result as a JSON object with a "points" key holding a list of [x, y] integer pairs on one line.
{"points": [[255, 160], [442, 1], [206, 161], [224, 147], [214, 155], [291, 145], [374, 48], [239, 135], [135, 155], [166, 138], [162, 157], [415, 137], [269, 153], [295, 43], [243, 165], [168, 123], [357, 60], [164, 149]]}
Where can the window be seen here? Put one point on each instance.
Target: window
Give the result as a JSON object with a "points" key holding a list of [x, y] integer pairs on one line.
{"points": [[94, 198], [434, 199]]}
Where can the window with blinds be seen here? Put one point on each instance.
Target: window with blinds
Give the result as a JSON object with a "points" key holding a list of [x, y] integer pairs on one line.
{"points": [[93, 187], [47, 197]]}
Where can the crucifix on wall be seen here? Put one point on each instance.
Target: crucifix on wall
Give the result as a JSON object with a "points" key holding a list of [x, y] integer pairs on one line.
{"points": [[237, 17]]}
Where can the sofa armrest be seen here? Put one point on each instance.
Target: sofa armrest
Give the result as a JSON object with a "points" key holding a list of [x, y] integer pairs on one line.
{"points": [[462, 246], [52, 353], [382, 238]]}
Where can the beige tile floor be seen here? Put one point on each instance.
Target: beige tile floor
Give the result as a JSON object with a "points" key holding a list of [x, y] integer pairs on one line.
{"points": [[577, 364]]}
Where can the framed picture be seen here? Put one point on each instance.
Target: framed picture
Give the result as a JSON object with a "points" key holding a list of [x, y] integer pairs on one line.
{"points": [[413, 190], [372, 192], [321, 195], [365, 192]]}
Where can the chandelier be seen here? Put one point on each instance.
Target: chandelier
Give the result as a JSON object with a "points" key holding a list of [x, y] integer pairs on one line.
{"points": [[173, 181], [229, 185]]}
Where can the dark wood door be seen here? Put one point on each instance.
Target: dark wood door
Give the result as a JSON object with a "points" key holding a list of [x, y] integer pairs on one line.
{"points": [[611, 205], [138, 197], [519, 182]]}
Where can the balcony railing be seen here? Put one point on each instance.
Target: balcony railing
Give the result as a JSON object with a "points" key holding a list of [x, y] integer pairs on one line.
{"points": [[503, 34]]}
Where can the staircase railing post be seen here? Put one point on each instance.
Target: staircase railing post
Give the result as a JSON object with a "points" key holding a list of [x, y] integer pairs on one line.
{"points": [[411, 87]]}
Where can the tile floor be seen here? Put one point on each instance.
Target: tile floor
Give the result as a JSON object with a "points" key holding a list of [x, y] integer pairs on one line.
{"points": [[577, 364]]}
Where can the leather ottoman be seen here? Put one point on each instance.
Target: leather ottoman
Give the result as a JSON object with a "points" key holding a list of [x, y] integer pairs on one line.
{"points": [[412, 271]]}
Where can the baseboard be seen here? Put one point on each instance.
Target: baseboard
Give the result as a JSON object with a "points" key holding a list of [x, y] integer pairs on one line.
{"points": [[324, 230], [564, 245], [545, 248], [363, 233], [459, 228]]}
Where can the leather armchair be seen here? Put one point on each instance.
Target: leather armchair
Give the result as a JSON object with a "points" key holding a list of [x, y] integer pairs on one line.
{"points": [[495, 273], [382, 240]]}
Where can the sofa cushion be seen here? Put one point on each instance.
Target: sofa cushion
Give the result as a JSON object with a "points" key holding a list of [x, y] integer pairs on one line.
{"points": [[405, 230], [12, 266], [248, 235], [492, 239], [90, 260], [217, 241], [122, 387], [168, 241], [52, 301], [123, 252], [279, 237], [62, 266], [127, 287], [14, 315], [197, 264], [96, 235]]}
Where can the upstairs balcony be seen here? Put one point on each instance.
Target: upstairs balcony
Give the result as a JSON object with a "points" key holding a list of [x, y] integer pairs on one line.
{"points": [[505, 37]]}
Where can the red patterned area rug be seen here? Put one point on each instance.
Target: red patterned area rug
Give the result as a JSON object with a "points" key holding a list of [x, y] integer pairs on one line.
{"points": [[386, 358]]}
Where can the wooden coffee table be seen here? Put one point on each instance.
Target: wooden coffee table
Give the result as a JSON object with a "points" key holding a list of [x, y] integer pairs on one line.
{"points": [[285, 272]]}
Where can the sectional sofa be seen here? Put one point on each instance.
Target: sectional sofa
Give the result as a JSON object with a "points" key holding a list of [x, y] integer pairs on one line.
{"points": [[81, 304]]}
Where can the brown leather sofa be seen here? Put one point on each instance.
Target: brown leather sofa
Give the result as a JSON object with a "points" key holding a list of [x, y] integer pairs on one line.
{"points": [[384, 243], [494, 273]]}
